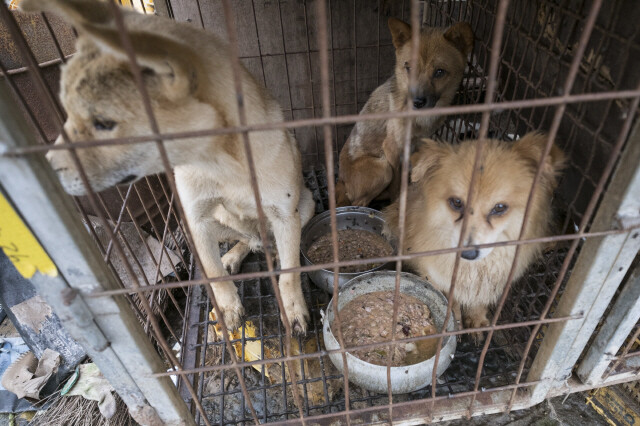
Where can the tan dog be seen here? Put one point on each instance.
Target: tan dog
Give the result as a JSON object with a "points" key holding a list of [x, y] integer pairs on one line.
{"points": [[370, 159], [190, 90], [436, 203]]}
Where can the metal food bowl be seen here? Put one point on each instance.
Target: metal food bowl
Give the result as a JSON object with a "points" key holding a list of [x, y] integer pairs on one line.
{"points": [[404, 379], [347, 218]]}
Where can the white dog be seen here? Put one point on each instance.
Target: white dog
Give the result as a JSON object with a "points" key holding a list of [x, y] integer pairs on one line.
{"points": [[189, 78]]}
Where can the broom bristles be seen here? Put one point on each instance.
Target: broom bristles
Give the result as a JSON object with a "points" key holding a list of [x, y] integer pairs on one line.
{"points": [[75, 410]]}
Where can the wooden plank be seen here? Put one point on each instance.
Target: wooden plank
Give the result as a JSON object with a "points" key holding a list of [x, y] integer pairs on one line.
{"points": [[275, 72], [214, 21], [186, 11], [306, 136], [269, 28], [366, 22], [293, 27], [300, 82], [344, 72], [254, 66], [342, 21]]}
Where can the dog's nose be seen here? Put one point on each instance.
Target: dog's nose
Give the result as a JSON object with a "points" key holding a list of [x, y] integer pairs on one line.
{"points": [[419, 102], [470, 254]]}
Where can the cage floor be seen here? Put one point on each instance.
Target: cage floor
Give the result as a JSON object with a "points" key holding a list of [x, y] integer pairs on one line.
{"points": [[321, 387]]}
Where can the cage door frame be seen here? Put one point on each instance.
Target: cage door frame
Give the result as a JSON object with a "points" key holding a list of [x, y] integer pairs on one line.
{"points": [[598, 272]]}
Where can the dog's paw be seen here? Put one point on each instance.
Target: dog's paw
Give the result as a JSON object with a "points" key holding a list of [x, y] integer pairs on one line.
{"points": [[229, 303], [478, 338], [477, 322], [298, 316], [232, 317], [231, 262]]}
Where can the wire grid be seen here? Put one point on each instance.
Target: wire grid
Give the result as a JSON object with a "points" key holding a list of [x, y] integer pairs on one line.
{"points": [[225, 404], [499, 98]]}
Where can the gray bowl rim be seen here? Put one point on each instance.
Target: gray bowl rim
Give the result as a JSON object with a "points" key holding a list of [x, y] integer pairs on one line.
{"points": [[413, 277], [346, 209]]}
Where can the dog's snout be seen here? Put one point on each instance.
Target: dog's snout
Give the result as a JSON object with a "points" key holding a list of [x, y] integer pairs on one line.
{"points": [[470, 254], [419, 102]]}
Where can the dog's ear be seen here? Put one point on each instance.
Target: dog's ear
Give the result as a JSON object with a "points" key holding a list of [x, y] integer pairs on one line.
{"points": [[173, 62], [461, 36], [530, 148], [400, 32], [426, 159]]}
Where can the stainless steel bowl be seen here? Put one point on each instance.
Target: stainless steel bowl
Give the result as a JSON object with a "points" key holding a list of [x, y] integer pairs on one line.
{"points": [[404, 379], [347, 218]]}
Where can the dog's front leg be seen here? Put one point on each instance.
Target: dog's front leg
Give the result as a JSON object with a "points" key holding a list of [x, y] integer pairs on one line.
{"points": [[232, 260], [475, 317], [205, 235], [286, 231]]}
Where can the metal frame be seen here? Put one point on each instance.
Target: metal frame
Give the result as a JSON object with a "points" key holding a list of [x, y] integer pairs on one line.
{"points": [[603, 258]]}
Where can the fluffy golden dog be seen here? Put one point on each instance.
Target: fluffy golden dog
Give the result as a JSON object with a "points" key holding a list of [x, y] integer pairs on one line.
{"points": [[436, 203]]}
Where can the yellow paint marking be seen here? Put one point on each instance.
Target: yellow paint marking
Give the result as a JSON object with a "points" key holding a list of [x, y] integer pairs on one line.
{"points": [[618, 410], [20, 246]]}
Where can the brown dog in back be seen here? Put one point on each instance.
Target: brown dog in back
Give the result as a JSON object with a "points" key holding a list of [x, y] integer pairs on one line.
{"points": [[436, 204], [370, 159]]}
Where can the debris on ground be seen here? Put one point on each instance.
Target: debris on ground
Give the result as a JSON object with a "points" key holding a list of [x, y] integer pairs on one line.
{"points": [[28, 375]]}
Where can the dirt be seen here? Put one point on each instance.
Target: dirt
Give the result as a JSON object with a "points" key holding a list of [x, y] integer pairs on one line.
{"points": [[367, 319], [560, 411], [353, 244], [7, 329]]}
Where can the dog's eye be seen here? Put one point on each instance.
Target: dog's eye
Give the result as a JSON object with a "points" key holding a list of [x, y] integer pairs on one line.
{"points": [[406, 66], [439, 73], [103, 124], [456, 204], [499, 209]]}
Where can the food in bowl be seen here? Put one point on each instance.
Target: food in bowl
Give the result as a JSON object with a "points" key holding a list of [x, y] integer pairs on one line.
{"points": [[353, 244], [375, 378], [367, 319]]}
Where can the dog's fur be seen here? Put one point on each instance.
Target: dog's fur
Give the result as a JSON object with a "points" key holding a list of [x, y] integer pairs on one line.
{"points": [[189, 90], [442, 172], [370, 159]]}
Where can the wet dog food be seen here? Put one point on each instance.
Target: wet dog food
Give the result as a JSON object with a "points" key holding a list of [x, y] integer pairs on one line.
{"points": [[367, 319], [353, 244]]}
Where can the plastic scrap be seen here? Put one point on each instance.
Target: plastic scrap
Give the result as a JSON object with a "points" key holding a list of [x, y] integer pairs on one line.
{"points": [[28, 375], [253, 352], [92, 385]]}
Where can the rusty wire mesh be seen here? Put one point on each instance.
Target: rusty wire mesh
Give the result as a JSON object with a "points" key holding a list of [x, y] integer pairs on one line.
{"points": [[564, 66]]}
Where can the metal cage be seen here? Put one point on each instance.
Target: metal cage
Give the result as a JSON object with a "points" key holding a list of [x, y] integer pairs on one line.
{"points": [[568, 67]]}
